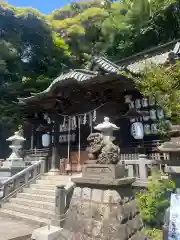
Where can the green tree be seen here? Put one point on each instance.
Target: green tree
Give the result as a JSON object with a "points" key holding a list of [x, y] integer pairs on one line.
{"points": [[163, 83], [30, 50]]}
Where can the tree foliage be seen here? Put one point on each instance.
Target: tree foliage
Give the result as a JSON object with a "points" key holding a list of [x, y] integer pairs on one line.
{"points": [[35, 48], [29, 51], [163, 83]]}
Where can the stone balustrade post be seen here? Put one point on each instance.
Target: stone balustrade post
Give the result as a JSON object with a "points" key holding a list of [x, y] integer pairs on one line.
{"points": [[43, 165], [26, 177], [34, 172], [6, 190], [143, 174], [16, 183], [130, 171], [60, 205]]}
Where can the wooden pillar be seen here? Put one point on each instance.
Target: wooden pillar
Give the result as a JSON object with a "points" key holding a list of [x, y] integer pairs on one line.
{"points": [[55, 156], [32, 137]]}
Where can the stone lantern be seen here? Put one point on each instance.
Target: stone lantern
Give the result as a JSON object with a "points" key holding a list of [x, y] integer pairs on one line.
{"points": [[15, 160], [108, 209], [172, 147]]}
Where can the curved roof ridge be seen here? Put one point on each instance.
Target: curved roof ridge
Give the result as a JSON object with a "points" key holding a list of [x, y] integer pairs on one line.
{"points": [[107, 65], [78, 75]]}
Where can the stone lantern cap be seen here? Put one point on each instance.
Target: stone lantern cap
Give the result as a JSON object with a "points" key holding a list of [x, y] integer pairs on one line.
{"points": [[170, 146], [16, 137], [106, 125], [174, 144]]}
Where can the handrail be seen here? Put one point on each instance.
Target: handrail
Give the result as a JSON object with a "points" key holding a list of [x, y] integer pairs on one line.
{"points": [[22, 178]]}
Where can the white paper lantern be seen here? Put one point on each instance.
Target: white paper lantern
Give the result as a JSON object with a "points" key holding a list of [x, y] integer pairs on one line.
{"points": [[138, 103], [45, 140], [144, 102], [153, 114], [147, 129], [146, 117], [137, 130]]}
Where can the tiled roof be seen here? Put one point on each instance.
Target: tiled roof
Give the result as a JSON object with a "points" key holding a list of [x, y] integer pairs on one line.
{"points": [[77, 75], [139, 66], [158, 57], [106, 65]]}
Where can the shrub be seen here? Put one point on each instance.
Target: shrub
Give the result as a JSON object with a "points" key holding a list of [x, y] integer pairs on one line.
{"points": [[154, 234], [155, 200]]}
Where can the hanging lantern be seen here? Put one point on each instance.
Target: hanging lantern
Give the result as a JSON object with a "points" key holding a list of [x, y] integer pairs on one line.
{"points": [[45, 140], [146, 117], [137, 130], [147, 129], [153, 114], [144, 102], [138, 103], [151, 101], [160, 113]]}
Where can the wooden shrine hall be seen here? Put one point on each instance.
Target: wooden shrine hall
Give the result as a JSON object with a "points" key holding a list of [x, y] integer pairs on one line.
{"points": [[63, 115]]}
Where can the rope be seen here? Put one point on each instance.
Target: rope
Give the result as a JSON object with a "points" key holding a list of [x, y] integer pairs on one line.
{"points": [[62, 217], [81, 114]]}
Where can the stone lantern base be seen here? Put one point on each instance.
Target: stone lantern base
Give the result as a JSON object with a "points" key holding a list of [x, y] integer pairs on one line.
{"points": [[103, 206]]}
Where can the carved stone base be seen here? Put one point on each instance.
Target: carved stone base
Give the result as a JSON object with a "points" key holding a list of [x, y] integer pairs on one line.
{"points": [[102, 211], [104, 171]]}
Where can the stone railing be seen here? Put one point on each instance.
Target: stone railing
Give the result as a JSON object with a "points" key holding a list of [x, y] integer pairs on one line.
{"points": [[139, 167], [37, 152], [15, 183], [33, 155]]}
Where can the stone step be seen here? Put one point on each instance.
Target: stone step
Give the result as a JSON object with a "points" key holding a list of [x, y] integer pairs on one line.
{"points": [[41, 213], [39, 191], [58, 177], [46, 176], [26, 218], [36, 197], [51, 182], [30, 203], [41, 186]]}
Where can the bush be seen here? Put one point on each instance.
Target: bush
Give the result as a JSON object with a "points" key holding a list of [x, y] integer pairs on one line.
{"points": [[154, 234], [155, 200]]}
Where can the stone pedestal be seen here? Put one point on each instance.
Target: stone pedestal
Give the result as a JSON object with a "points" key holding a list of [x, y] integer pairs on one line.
{"points": [[103, 206]]}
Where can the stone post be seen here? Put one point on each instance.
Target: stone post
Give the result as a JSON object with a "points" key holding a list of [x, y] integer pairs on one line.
{"points": [[143, 167], [130, 171], [60, 205]]}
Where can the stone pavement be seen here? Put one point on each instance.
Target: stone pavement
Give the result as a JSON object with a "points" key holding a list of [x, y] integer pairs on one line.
{"points": [[11, 228]]}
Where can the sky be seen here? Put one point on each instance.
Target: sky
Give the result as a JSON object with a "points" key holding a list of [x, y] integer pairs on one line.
{"points": [[44, 6]]}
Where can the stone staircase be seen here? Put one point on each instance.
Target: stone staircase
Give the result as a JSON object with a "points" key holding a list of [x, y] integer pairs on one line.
{"points": [[35, 204]]}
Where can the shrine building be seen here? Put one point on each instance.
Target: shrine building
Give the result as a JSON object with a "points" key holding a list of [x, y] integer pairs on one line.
{"points": [[62, 116]]}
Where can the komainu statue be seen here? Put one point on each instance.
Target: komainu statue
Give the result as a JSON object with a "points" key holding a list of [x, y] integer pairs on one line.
{"points": [[101, 147]]}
